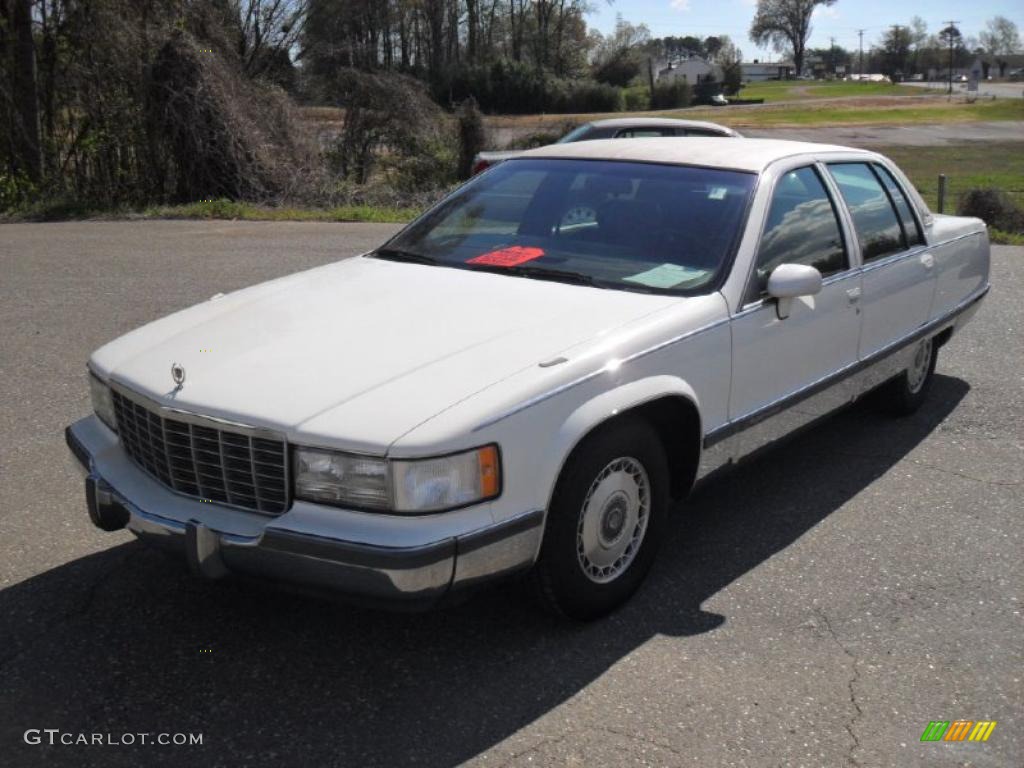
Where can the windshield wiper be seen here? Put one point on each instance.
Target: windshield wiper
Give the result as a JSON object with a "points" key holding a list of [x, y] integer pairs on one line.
{"points": [[392, 254], [544, 273]]}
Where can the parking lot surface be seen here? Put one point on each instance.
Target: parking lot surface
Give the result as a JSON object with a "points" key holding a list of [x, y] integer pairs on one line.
{"points": [[818, 607]]}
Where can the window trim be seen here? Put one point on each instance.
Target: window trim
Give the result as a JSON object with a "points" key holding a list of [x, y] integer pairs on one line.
{"points": [[875, 165], [869, 163], [751, 295]]}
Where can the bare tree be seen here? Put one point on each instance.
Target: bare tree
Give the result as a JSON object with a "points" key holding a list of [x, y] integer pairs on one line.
{"points": [[25, 94], [785, 23], [1000, 37], [269, 30]]}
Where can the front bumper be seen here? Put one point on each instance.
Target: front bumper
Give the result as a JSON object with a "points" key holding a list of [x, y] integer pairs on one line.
{"points": [[413, 561]]}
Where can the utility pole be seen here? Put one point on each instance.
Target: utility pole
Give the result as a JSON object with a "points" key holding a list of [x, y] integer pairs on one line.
{"points": [[951, 26], [860, 34], [896, 50], [832, 54]]}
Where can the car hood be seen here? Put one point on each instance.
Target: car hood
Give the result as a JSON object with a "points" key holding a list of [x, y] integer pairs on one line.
{"points": [[357, 353]]}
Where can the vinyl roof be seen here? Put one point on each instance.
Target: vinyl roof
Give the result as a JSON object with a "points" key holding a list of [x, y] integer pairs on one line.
{"points": [[715, 152]]}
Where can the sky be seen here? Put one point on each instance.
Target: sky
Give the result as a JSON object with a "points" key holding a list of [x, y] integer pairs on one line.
{"points": [[841, 20]]}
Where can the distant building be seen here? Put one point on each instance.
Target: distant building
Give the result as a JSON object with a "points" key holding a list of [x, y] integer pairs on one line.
{"points": [[988, 65], [693, 70], [756, 71]]}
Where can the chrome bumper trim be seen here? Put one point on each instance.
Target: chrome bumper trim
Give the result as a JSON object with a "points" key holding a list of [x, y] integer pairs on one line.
{"points": [[416, 576]]}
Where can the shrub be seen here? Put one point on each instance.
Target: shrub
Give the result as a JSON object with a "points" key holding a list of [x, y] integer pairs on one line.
{"points": [[993, 206], [637, 98], [584, 96], [223, 135], [516, 88], [16, 190], [472, 136], [705, 90], [391, 124], [671, 94]]}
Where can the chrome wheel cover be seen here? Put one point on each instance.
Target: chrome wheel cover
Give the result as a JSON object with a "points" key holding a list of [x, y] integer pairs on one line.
{"points": [[613, 520], [918, 370]]}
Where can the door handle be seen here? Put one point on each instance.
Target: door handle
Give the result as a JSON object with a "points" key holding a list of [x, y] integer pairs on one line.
{"points": [[927, 260], [853, 294]]}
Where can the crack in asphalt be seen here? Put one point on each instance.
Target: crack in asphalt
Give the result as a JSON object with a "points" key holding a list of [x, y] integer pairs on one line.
{"points": [[635, 737], [858, 712], [927, 465], [547, 741]]}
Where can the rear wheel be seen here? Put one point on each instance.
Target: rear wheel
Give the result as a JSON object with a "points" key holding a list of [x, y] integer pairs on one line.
{"points": [[905, 394], [605, 522]]}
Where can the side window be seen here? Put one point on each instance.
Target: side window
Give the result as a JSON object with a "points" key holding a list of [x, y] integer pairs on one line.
{"points": [[878, 228], [802, 228], [911, 231]]}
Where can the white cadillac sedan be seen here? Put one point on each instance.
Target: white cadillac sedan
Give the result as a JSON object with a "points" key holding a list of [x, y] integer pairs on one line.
{"points": [[528, 375]]}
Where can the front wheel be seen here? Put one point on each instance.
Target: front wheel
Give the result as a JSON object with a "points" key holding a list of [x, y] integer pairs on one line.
{"points": [[905, 394], [605, 522]]}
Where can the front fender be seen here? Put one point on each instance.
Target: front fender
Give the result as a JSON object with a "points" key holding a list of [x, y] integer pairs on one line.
{"points": [[607, 405]]}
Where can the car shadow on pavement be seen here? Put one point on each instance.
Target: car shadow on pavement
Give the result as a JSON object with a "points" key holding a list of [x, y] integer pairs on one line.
{"points": [[125, 641]]}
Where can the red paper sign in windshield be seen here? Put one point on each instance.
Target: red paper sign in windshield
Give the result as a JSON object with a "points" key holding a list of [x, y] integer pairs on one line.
{"points": [[508, 257]]}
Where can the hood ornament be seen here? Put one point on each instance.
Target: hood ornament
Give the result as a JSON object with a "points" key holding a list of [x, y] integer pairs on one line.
{"points": [[178, 374]]}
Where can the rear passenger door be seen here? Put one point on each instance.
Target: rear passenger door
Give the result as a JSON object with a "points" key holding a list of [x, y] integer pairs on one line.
{"points": [[778, 362], [898, 271]]}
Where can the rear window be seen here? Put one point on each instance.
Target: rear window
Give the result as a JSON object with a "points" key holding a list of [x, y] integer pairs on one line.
{"points": [[878, 228], [626, 225]]}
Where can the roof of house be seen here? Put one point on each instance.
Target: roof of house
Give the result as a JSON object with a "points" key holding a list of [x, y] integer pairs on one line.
{"points": [[743, 155], [772, 64]]}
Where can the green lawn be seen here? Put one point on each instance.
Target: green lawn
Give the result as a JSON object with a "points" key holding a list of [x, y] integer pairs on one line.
{"points": [[228, 209], [967, 166], [899, 111], [798, 90], [854, 112]]}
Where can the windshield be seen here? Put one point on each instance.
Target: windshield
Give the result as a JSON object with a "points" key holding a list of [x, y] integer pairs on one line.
{"points": [[632, 226]]}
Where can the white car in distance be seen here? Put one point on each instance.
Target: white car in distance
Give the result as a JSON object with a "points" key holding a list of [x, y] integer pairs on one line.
{"points": [[525, 377]]}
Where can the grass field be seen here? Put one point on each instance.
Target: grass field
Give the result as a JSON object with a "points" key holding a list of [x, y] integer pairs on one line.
{"points": [[971, 165], [229, 209], [798, 90], [853, 111], [967, 166]]}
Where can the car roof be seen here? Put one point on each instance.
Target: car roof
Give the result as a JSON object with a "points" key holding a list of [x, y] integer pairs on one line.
{"points": [[712, 151], [654, 122]]}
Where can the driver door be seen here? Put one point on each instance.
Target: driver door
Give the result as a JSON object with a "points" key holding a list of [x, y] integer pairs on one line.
{"points": [[779, 363]]}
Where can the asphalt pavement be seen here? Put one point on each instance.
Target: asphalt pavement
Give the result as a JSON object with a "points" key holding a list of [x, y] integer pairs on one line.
{"points": [[818, 607]]}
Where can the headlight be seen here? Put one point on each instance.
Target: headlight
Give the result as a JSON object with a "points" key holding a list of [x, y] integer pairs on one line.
{"points": [[341, 478], [409, 486], [430, 485], [102, 401]]}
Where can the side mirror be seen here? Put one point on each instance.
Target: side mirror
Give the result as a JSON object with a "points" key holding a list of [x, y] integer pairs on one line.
{"points": [[788, 281]]}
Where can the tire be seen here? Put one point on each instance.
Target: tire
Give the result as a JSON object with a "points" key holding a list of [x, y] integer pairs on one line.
{"points": [[602, 536], [907, 392]]}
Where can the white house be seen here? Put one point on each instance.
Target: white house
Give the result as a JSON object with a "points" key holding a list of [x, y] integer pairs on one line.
{"points": [[755, 71], [694, 70]]}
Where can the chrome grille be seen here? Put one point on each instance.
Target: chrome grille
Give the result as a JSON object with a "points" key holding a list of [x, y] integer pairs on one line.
{"points": [[205, 462]]}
